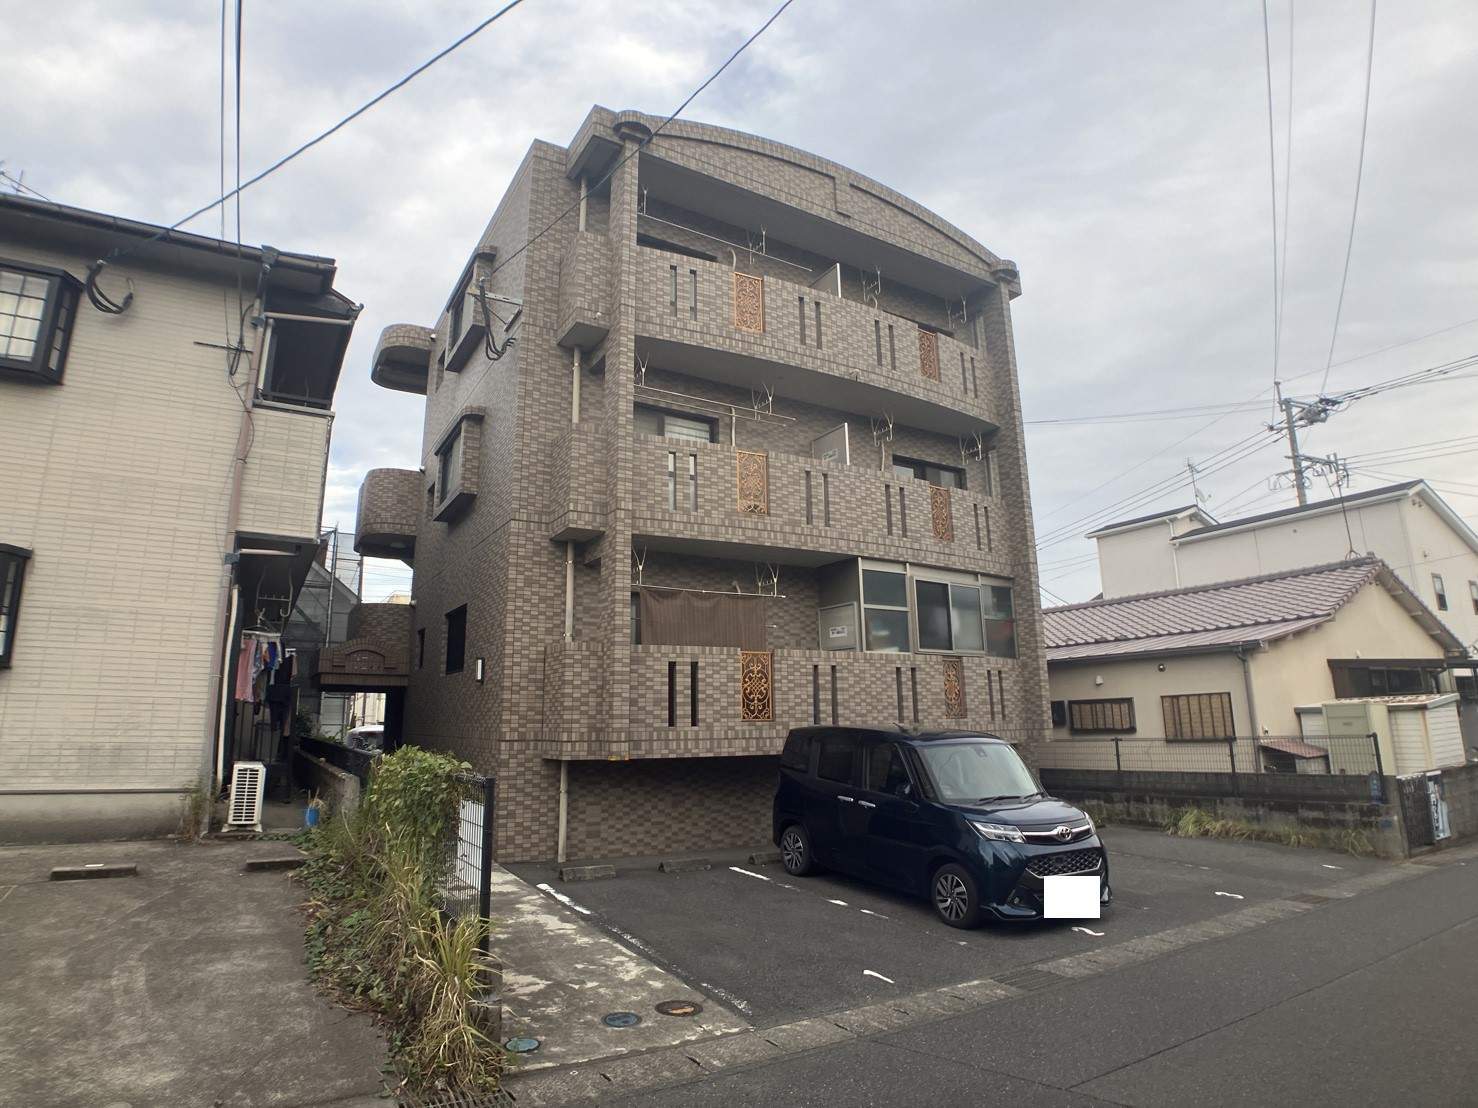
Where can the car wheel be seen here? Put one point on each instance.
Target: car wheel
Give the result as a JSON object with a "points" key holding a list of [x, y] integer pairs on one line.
{"points": [[955, 897], [795, 851]]}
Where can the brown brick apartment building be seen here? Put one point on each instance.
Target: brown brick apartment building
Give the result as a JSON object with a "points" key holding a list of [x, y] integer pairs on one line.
{"points": [[740, 450]]}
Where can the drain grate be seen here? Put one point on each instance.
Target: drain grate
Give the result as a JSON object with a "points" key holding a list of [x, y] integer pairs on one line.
{"points": [[679, 1008], [620, 1019], [1028, 979]]}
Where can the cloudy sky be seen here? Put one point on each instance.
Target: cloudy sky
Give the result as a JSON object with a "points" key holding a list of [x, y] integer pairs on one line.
{"points": [[1117, 151]]}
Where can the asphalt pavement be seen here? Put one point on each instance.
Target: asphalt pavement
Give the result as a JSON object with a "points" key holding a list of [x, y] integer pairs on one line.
{"points": [[1366, 1000], [775, 948]]}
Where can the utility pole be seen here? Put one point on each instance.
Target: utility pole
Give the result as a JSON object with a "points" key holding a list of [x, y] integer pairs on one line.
{"points": [[1196, 493], [1294, 456]]}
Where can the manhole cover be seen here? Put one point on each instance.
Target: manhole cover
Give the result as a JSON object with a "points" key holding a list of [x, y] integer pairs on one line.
{"points": [[679, 1008], [521, 1045], [621, 1019]]}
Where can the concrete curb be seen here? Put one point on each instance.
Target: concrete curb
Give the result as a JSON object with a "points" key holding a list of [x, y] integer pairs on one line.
{"points": [[683, 865], [260, 865], [93, 872], [585, 873]]}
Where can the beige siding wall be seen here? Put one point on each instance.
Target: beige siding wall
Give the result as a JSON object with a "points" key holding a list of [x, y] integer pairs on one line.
{"points": [[1143, 681], [1138, 561], [117, 479], [1436, 548], [282, 484], [1295, 670]]}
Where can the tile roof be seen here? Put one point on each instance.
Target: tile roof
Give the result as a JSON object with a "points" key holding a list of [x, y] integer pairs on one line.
{"points": [[1205, 617]]}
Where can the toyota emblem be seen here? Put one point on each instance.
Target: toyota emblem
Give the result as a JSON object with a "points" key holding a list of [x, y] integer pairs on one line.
{"points": [[1062, 833]]}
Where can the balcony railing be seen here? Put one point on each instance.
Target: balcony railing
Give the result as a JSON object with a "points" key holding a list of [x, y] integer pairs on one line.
{"points": [[710, 304], [796, 502]]}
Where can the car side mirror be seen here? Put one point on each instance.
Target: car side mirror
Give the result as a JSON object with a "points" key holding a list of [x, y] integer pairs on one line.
{"points": [[904, 791]]}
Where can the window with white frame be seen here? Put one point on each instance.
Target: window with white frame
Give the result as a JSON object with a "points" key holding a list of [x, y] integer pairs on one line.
{"points": [[949, 616], [1440, 590]]}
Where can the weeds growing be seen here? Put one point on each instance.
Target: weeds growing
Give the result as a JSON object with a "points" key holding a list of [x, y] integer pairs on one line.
{"points": [[1199, 823], [376, 937]]}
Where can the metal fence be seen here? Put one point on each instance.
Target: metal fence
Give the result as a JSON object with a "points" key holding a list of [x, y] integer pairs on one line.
{"points": [[1331, 755], [468, 888]]}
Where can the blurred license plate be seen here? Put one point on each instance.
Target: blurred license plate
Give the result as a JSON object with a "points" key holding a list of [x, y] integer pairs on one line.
{"points": [[1070, 897]]}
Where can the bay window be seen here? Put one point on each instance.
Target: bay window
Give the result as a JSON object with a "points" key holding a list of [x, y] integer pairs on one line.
{"points": [[37, 307], [13, 561]]}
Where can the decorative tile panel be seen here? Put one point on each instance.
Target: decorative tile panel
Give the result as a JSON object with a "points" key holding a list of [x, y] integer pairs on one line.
{"points": [[749, 304], [752, 482], [756, 691], [944, 522], [929, 354], [954, 688]]}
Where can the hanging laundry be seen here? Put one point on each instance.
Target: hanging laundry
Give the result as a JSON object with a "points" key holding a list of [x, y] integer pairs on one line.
{"points": [[245, 660]]}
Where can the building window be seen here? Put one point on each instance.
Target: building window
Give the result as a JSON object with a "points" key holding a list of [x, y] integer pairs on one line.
{"points": [[1473, 592], [674, 425], [947, 477], [13, 561], [1198, 716], [1114, 716], [37, 307], [1000, 617], [949, 616], [885, 610], [456, 639], [420, 647], [1441, 592], [449, 466], [635, 618]]}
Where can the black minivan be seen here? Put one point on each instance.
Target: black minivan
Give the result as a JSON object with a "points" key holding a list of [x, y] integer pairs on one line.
{"points": [[952, 815]]}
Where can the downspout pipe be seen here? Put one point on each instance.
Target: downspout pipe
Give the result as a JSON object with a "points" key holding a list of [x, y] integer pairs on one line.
{"points": [[1174, 551], [575, 387], [564, 808], [1247, 690]]}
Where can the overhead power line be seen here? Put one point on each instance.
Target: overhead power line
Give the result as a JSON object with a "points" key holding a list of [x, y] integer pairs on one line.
{"points": [[1355, 207], [1267, 53], [712, 77]]}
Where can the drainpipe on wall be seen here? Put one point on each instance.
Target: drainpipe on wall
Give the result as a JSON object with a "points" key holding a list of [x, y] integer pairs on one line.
{"points": [[583, 195], [227, 691], [1247, 689], [564, 807], [569, 591], [1174, 551], [575, 387]]}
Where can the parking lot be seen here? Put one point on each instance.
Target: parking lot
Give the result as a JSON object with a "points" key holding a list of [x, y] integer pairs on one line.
{"points": [[775, 948]]}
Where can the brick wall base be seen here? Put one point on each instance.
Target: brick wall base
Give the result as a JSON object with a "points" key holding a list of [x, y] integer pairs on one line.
{"points": [[673, 805]]}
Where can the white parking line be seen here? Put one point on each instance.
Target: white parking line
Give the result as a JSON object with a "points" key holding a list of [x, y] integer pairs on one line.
{"points": [[1234, 896], [841, 903], [1326, 865], [1085, 931], [879, 976], [566, 901], [747, 873], [870, 912]]}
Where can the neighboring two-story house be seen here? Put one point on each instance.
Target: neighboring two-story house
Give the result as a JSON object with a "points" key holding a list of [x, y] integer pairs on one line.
{"points": [[734, 447], [164, 433]]}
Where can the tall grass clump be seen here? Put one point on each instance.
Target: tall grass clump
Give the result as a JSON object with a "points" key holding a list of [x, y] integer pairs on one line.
{"points": [[376, 937], [1198, 823]]}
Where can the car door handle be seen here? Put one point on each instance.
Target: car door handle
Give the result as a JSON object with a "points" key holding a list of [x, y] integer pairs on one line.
{"points": [[848, 799], [866, 804]]}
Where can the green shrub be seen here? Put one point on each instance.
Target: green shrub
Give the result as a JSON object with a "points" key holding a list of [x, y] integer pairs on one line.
{"points": [[376, 937], [1199, 823]]}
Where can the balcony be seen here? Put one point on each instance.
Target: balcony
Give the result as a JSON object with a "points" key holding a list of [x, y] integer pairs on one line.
{"points": [[692, 701], [403, 358], [282, 481], [577, 493], [710, 321], [389, 508], [376, 656], [698, 496]]}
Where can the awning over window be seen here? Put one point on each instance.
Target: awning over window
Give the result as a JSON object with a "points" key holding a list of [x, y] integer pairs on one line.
{"points": [[671, 617]]}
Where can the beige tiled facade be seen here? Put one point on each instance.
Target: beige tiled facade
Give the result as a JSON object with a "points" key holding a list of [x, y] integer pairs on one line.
{"points": [[652, 324], [118, 480]]}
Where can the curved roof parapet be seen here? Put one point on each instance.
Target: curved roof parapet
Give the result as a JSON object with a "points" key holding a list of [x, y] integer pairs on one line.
{"points": [[790, 177], [403, 358]]}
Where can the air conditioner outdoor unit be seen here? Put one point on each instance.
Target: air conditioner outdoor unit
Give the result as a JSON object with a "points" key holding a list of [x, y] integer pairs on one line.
{"points": [[248, 782]]}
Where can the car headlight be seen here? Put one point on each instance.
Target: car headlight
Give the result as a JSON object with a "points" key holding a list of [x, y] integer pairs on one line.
{"points": [[1089, 821], [1000, 832]]}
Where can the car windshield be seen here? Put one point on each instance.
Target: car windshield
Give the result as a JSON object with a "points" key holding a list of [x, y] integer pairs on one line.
{"points": [[968, 773]]}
